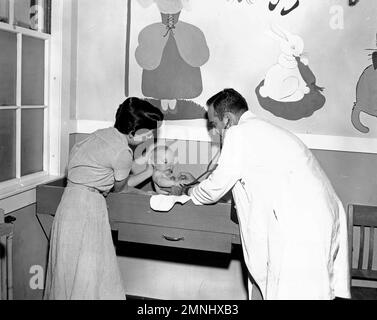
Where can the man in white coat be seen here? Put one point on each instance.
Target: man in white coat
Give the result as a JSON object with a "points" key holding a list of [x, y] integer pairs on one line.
{"points": [[292, 224]]}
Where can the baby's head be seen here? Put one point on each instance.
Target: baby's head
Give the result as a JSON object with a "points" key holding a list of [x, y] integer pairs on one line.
{"points": [[162, 157]]}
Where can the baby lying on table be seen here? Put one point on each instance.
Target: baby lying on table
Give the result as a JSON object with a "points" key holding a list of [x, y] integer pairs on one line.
{"points": [[163, 160]]}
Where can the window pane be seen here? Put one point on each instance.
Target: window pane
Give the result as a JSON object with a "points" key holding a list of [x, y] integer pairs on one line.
{"points": [[4, 11], [7, 144], [8, 68], [32, 89], [33, 14], [32, 124]]}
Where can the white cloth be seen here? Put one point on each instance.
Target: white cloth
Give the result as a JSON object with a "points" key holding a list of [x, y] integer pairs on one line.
{"points": [[165, 203], [292, 224]]}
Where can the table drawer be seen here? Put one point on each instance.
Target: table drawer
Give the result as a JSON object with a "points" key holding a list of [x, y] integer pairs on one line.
{"points": [[175, 237], [135, 209]]}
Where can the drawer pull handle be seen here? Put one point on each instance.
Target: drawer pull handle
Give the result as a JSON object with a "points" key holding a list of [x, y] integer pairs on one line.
{"points": [[173, 239]]}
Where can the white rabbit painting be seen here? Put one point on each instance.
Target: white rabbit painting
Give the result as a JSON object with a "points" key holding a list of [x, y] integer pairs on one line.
{"points": [[283, 81], [289, 90]]}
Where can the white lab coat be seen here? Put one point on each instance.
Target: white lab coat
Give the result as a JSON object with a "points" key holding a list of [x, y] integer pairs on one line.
{"points": [[292, 224]]}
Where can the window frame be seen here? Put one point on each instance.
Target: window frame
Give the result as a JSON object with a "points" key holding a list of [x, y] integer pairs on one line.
{"points": [[52, 132]]}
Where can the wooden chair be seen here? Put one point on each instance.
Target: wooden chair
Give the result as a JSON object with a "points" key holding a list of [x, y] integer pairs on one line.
{"points": [[365, 218]]}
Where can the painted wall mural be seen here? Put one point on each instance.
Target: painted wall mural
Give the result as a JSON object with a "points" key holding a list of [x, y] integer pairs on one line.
{"points": [[289, 89], [171, 53], [366, 94], [302, 77]]}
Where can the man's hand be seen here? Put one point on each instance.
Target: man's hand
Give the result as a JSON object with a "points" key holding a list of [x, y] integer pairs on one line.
{"points": [[187, 190], [185, 178]]}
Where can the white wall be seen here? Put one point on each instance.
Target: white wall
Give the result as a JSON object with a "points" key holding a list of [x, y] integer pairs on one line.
{"points": [[101, 38]]}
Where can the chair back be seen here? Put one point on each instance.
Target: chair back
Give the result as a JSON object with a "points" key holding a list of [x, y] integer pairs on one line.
{"points": [[362, 220]]}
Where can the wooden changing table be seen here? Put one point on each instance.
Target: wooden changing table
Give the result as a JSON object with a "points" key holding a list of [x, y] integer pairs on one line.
{"points": [[207, 228]]}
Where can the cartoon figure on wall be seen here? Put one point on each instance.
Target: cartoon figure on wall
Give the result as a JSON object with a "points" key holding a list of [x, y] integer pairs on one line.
{"points": [[289, 89], [171, 53], [366, 95]]}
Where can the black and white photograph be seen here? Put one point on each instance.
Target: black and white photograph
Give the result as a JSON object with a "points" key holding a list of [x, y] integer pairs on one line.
{"points": [[204, 153]]}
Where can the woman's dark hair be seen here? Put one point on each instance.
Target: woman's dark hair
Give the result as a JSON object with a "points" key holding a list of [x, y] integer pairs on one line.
{"points": [[228, 100], [135, 114]]}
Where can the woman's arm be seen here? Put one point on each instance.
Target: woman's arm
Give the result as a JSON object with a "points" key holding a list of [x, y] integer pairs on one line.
{"points": [[136, 179], [121, 165], [132, 181], [120, 185]]}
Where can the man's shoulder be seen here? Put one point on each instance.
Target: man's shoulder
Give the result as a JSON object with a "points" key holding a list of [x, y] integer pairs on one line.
{"points": [[258, 123], [251, 124]]}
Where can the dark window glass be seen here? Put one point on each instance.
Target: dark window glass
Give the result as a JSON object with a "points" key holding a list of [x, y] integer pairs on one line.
{"points": [[33, 69], [32, 121], [7, 144], [8, 68]]}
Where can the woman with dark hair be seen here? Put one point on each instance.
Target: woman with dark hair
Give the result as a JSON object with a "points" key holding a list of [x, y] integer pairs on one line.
{"points": [[82, 260]]}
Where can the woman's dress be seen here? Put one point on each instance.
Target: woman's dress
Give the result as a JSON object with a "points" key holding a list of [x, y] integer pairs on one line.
{"points": [[82, 259]]}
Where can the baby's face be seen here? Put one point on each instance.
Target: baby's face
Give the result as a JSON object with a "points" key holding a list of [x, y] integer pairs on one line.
{"points": [[164, 167], [163, 159]]}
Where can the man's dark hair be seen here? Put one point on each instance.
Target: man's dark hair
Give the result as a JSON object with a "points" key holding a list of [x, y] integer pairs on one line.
{"points": [[135, 114], [228, 100]]}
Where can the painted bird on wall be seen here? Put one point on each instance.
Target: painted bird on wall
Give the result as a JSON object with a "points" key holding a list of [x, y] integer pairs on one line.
{"points": [[287, 6]]}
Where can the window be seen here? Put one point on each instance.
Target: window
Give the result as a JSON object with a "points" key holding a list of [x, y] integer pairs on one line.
{"points": [[24, 88]]}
